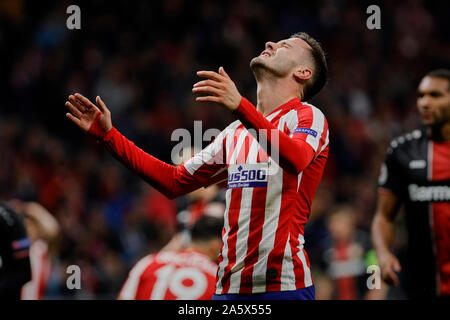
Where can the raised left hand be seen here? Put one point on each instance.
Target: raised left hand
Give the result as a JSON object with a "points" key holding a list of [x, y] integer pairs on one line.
{"points": [[219, 88]]}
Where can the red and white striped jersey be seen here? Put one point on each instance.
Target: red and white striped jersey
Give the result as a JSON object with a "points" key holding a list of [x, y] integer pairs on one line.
{"points": [[266, 206], [40, 271], [268, 200], [169, 275]]}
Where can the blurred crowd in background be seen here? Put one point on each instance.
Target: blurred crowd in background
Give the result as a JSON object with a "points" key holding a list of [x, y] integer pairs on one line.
{"points": [[141, 57]]}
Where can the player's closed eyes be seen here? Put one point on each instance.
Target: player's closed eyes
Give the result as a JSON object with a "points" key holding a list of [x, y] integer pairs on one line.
{"points": [[285, 44]]}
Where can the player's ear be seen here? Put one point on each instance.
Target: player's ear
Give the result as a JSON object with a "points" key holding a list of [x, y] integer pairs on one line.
{"points": [[302, 73]]}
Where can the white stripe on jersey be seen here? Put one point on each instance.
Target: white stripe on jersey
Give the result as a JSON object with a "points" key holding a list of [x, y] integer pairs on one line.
{"points": [[273, 115], [273, 205], [238, 147], [230, 132], [301, 255], [287, 269], [206, 155], [226, 225], [291, 120], [327, 140], [299, 179], [244, 223], [271, 217], [233, 159], [317, 125], [130, 286]]}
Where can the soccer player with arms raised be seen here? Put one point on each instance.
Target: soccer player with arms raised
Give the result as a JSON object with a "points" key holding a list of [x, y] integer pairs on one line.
{"points": [[273, 157]]}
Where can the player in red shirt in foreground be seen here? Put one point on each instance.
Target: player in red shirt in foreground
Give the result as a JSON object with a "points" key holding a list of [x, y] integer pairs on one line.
{"points": [[273, 157], [187, 274]]}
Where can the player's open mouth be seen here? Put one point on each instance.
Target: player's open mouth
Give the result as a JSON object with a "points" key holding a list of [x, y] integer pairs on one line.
{"points": [[265, 53], [426, 115]]}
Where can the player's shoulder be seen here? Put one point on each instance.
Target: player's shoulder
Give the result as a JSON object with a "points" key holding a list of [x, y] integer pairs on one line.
{"points": [[196, 259], [233, 125], [143, 262], [406, 141], [230, 129], [309, 109]]}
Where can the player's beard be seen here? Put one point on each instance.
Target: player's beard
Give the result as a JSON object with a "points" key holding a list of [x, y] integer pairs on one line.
{"points": [[438, 118], [262, 70], [437, 122]]}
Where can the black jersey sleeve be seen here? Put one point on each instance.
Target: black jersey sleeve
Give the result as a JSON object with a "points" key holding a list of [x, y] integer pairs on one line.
{"points": [[390, 177], [15, 268]]}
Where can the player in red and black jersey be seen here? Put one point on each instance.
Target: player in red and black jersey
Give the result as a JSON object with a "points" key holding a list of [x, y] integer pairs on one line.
{"points": [[416, 174]]}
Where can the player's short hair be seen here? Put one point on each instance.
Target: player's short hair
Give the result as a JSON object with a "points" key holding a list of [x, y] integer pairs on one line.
{"points": [[320, 72], [440, 73], [206, 228]]}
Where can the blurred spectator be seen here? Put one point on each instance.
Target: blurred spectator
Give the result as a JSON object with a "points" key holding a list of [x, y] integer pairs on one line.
{"points": [[343, 255]]}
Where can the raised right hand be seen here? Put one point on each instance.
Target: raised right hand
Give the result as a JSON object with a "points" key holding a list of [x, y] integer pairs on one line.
{"points": [[95, 120]]}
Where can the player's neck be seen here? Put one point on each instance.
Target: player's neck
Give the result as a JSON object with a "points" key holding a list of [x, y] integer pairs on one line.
{"points": [[441, 133], [272, 93], [197, 247], [445, 131]]}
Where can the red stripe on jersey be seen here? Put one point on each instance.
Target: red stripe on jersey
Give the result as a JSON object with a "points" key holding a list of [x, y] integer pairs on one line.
{"points": [[441, 216], [275, 259], [254, 237], [255, 229], [323, 138], [298, 265], [233, 217], [308, 185], [43, 276], [146, 282], [305, 120], [233, 213], [235, 140]]}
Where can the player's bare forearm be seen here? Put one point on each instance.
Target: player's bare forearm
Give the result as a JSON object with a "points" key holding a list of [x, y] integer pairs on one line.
{"points": [[383, 222], [382, 233], [383, 236]]}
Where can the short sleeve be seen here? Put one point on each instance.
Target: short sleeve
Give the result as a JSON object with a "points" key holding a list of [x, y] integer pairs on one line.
{"points": [[310, 125], [390, 173]]}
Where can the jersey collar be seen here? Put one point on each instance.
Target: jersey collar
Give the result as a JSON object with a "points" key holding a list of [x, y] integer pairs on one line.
{"points": [[288, 105]]}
